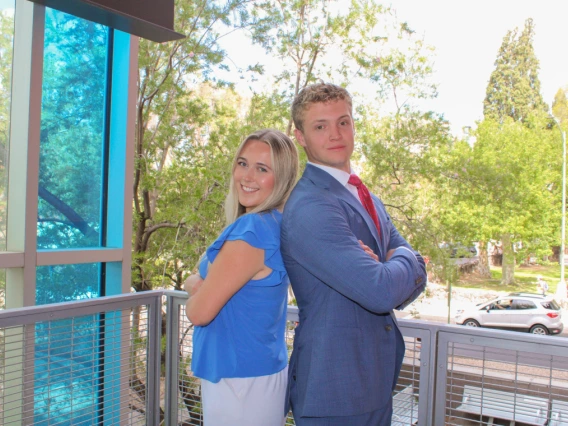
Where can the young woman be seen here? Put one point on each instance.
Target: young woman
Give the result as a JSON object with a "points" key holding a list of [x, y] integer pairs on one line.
{"points": [[238, 300]]}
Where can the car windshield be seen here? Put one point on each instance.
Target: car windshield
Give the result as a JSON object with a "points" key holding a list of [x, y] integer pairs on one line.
{"points": [[550, 304]]}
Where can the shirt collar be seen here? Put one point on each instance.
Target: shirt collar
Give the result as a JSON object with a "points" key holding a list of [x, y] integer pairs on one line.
{"points": [[339, 175]]}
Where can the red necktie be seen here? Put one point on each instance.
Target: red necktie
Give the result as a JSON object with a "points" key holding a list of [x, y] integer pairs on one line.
{"points": [[366, 199]]}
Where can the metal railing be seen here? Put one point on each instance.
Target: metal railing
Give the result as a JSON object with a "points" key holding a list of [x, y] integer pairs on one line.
{"points": [[89, 362], [110, 361]]}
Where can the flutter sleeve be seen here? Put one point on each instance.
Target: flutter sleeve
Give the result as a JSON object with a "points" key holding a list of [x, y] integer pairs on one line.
{"points": [[259, 230]]}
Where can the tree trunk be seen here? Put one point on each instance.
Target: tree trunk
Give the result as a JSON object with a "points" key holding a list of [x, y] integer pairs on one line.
{"points": [[508, 261], [483, 265]]}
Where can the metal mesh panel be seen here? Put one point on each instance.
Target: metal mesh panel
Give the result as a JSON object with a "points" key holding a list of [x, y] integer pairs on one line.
{"points": [[188, 387], [81, 370], [405, 396], [496, 381]]}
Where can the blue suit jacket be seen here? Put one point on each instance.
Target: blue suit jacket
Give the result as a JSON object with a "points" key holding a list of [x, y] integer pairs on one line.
{"points": [[347, 348]]}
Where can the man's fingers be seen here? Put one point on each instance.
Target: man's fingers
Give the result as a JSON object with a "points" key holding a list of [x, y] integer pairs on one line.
{"points": [[368, 250]]}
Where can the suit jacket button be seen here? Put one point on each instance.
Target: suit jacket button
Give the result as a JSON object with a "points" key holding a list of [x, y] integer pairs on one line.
{"points": [[388, 327]]}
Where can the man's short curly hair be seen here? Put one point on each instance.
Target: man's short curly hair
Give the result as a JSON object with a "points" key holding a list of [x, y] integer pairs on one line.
{"points": [[314, 94]]}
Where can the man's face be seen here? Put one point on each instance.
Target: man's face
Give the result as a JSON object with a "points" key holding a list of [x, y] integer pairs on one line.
{"points": [[328, 135]]}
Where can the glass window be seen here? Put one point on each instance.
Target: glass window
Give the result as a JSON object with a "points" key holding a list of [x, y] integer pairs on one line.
{"points": [[64, 283], [69, 389], [551, 304], [72, 140], [524, 304], [6, 50], [66, 375], [502, 304]]}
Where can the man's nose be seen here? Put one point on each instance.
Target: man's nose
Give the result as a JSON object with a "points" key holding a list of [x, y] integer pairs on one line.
{"points": [[334, 132]]}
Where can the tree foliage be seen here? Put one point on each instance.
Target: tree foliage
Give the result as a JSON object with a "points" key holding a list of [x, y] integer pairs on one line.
{"points": [[513, 93], [514, 87], [508, 184], [402, 157]]}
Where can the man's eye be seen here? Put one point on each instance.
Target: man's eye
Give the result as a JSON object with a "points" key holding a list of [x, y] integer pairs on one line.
{"points": [[319, 127]]}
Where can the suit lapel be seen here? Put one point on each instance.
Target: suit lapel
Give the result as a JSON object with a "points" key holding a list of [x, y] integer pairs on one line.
{"points": [[324, 180]]}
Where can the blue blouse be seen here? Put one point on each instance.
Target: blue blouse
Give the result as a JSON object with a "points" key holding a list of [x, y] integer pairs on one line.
{"points": [[246, 338]]}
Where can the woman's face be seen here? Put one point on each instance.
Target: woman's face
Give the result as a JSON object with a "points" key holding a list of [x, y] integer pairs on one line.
{"points": [[254, 176]]}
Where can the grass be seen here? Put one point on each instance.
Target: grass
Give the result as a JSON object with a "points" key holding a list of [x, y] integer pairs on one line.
{"points": [[525, 279]]}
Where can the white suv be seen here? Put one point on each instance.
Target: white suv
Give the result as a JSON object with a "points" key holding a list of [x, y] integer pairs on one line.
{"points": [[530, 312]]}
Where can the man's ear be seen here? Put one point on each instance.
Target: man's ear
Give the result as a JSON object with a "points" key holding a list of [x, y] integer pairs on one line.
{"points": [[300, 137]]}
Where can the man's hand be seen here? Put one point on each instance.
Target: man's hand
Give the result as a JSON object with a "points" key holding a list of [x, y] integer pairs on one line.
{"points": [[369, 251], [192, 284]]}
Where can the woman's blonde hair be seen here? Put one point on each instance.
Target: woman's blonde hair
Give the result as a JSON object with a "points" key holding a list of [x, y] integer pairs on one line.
{"points": [[284, 157]]}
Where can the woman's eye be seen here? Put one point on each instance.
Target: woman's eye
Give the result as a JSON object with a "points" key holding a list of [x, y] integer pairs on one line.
{"points": [[262, 169], [242, 163]]}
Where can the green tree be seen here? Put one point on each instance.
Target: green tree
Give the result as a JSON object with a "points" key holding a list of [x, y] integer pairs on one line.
{"points": [[514, 87], [507, 188], [514, 91], [322, 39]]}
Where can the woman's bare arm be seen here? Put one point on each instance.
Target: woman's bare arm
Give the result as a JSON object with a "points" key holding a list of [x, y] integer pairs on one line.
{"points": [[236, 264]]}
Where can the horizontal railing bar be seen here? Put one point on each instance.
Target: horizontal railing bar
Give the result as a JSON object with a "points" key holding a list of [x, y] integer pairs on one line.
{"points": [[79, 308]]}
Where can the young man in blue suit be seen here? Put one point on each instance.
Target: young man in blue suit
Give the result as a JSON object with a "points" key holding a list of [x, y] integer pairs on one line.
{"points": [[348, 349]]}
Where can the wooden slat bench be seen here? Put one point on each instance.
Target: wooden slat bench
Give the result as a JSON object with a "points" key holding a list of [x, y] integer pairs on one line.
{"points": [[404, 408], [497, 404], [558, 413]]}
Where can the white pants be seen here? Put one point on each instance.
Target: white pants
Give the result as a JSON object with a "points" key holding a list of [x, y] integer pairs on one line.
{"points": [[250, 401]]}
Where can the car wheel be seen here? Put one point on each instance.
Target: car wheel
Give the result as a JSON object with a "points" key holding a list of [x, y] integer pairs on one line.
{"points": [[539, 329], [471, 323]]}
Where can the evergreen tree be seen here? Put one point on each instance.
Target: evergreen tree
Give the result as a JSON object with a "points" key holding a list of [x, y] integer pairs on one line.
{"points": [[514, 87]]}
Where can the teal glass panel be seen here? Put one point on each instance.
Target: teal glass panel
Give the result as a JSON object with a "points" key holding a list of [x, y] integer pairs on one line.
{"points": [[72, 140], [64, 283], [7, 8], [68, 387], [67, 377]]}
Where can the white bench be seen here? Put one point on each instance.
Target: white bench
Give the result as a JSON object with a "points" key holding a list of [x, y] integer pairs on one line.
{"points": [[504, 405], [558, 413], [404, 408]]}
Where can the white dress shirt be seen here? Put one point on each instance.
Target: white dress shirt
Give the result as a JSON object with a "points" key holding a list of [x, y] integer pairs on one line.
{"points": [[341, 176]]}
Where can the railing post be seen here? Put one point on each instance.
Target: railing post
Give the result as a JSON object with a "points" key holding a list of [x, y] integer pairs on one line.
{"points": [[153, 372], [172, 359], [441, 379]]}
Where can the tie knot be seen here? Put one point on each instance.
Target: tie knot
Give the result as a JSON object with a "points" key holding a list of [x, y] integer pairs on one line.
{"points": [[354, 180]]}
